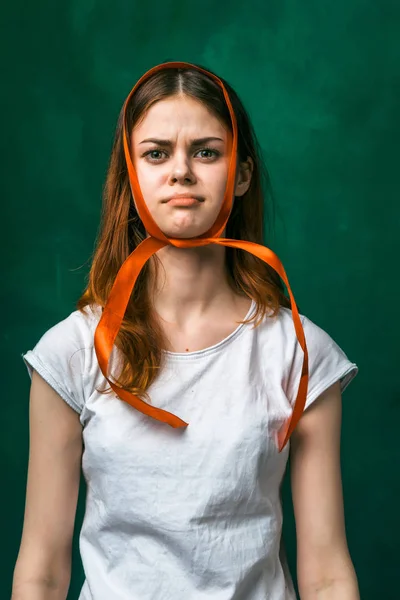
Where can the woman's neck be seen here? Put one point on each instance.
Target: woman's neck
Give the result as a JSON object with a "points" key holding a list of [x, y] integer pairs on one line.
{"points": [[191, 283]]}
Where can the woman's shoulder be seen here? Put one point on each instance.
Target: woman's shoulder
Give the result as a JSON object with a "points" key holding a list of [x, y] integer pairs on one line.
{"points": [[64, 355], [68, 339], [77, 328], [283, 320], [314, 333]]}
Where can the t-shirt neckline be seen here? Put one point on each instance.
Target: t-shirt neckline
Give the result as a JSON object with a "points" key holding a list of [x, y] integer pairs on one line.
{"points": [[216, 347]]}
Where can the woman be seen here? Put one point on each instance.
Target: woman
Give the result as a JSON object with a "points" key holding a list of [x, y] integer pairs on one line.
{"points": [[207, 334]]}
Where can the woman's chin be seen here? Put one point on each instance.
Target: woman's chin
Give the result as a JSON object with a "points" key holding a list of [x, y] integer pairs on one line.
{"points": [[185, 232]]}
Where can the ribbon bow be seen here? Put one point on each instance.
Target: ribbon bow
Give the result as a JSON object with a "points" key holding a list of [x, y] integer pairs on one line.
{"points": [[114, 310]]}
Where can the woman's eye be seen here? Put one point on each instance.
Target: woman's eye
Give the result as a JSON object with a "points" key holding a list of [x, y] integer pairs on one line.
{"points": [[151, 154], [214, 153]]}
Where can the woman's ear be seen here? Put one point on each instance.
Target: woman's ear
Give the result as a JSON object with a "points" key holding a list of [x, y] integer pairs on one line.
{"points": [[243, 176]]}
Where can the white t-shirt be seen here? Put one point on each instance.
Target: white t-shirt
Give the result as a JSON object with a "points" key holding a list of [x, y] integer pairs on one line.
{"points": [[192, 513]]}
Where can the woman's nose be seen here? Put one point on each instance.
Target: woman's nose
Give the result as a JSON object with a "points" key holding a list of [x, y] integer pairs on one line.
{"points": [[181, 171]]}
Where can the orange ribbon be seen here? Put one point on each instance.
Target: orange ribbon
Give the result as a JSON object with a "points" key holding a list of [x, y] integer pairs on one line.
{"points": [[114, 310]]}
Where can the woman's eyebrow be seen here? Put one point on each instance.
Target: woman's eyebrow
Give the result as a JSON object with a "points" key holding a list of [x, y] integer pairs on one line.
{"points": [[195, 142]]}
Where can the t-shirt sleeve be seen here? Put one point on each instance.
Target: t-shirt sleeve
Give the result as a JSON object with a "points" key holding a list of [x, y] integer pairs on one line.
{"points": [[327, 364], [59, 358]]}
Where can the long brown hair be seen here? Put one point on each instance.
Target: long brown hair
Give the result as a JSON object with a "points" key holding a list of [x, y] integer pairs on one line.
{"points": [[141, 339]]}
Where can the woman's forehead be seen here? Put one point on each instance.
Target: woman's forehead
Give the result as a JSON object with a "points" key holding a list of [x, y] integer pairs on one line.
{"points": [[178, 114]]}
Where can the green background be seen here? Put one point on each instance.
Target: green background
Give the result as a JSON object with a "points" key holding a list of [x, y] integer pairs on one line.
{"points": [[321, 83]]}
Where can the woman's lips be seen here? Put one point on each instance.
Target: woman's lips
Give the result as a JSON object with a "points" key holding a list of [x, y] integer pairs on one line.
{"points": [[183, 201]]}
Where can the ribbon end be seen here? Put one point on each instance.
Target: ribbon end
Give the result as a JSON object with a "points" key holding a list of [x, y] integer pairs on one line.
{"points": [[281, 436]]}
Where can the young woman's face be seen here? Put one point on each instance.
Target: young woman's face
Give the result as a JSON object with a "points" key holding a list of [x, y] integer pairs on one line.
{"points": [[181, 148]]}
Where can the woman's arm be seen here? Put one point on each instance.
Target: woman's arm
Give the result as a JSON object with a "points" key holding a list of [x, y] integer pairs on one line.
{"points": [[324, 567], [42, 570]]}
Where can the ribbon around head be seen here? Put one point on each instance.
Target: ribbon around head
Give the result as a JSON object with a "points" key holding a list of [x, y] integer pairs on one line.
{"points": [[114, 310]]}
